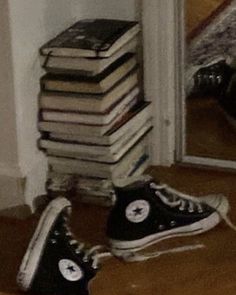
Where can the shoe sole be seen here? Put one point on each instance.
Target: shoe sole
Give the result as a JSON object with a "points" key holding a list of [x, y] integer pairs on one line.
{"points": [[37, 243], [122, 247]]}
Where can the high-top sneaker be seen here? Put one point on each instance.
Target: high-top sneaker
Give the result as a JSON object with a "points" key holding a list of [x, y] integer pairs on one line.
{"points": [[146, 213], [55, 263], [228, 102], [210, 79]]}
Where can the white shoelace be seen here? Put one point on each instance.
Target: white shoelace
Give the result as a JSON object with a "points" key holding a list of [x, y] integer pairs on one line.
{"points": [[183, 201], [93, 254], [135, 257], [180, 199], [176, 198]]}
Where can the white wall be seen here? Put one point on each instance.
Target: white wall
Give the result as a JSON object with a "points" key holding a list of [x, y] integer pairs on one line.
{"points": [[8, 135], [31, 24], [122, 9], [8, 142]]}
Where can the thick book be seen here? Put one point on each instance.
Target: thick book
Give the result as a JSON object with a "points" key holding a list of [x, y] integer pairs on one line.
{"points": [[100, 83], [92, 38], [100, 135], [92, 118], [88, 102], [97, 169], [111, 131], [105, 154], [107, 198], [91, 190], [92, 128], [84, 65]]}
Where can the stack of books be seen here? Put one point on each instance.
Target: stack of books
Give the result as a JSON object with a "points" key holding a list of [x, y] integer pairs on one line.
{"points": [[93, 120]]}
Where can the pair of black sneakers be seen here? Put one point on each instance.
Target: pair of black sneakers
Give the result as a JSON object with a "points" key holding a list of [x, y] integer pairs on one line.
{"points": [[144, 213], [217, 79]]}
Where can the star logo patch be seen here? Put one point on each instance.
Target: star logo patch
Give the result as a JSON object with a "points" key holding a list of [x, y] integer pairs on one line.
{"points": [[70, 270], [137, 211]]}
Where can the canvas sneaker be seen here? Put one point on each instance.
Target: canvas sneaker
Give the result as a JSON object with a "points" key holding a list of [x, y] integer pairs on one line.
{"points": [[228, 102], [146, 212], [55, 262], [210, 79]]}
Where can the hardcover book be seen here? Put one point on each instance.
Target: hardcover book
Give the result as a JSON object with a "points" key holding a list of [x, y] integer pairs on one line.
{"points": [[88, 102], [91, 38], [103, 135], [100, 83], [125, 132], [91, 190], [84, 65], [93, 118], [106, 198], [105, 154], [98, 169]]}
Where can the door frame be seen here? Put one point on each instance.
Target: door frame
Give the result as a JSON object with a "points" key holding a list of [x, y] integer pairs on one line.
{"points": [[163, 53], [164, 47]]}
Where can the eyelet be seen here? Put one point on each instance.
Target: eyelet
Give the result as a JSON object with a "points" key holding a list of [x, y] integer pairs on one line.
{"points": [[161, 227], [151, 185], [85, 259], [56, 233], [172, 223], [53, 241], [77, 251]]}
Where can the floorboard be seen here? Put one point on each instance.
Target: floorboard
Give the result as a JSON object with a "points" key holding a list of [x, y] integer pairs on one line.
{"points": [[208, 133], [207, 271]]}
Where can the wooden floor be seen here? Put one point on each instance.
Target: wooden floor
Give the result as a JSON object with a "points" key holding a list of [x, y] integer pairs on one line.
{"points": [[199, 13], [208, 271], [208, 133]]}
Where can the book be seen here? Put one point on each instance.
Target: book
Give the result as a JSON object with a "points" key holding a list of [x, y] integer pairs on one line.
{"points": [[84, 65], [104, 134], [105, 118], [87, 189], [104, 154], [61, 182], [88, 102], [100, 83], [92, 128], [91, 38], [107, 197], [97, 169], [124, 129]]}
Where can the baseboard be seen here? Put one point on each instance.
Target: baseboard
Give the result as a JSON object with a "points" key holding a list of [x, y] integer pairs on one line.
{"points": [[17, 212], [11, 192], [10, 170], [21, 186]]}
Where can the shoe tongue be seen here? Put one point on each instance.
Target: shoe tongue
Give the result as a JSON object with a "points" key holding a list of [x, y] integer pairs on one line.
{"points": [[132, 187]]}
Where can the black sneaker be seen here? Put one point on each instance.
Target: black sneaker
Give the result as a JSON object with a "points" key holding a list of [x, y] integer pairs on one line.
{"points": [[146, 213], [211, 79], [228, 102], [55, 263]]}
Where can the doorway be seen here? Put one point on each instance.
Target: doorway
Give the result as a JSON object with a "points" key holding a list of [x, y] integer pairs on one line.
{"points": [[207, 133]]}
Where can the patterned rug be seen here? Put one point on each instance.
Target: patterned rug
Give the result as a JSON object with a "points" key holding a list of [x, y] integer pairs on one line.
{"points": [[217, 37], [199, 15]]}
